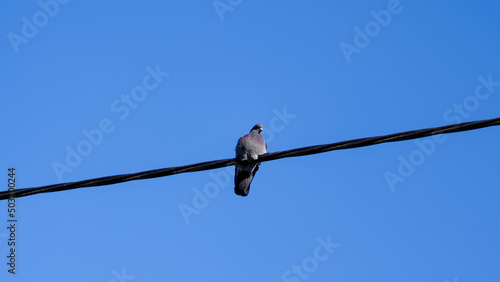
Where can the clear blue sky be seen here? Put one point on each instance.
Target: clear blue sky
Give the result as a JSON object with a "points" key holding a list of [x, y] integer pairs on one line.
{"points": [[94, 89]]}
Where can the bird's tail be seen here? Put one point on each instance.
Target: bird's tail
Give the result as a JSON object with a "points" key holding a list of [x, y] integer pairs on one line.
{"points": [[243, 177], [242, 182]]}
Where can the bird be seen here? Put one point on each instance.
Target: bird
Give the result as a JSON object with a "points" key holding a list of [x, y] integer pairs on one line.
{"points": [[248, 149]]}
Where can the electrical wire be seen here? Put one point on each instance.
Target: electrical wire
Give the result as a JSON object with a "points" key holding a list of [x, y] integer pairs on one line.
{"points": [[304, 151]]}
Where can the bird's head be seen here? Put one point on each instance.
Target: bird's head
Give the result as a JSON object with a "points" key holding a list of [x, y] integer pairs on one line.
{"points": [[257, 128]]}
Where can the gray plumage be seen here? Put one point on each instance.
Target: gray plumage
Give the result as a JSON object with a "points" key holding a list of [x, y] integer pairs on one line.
{"points": [[249, 147]]}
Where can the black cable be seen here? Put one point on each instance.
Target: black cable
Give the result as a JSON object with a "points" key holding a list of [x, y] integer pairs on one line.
{"points": [[263, 158]]}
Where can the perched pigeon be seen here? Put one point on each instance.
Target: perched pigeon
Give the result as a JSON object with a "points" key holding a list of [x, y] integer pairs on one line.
{"points": [[249, 147]]}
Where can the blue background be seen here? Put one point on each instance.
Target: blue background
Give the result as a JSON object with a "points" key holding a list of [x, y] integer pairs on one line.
{"points": [[231, 65]]}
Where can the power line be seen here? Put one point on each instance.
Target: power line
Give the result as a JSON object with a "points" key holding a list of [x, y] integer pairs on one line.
{"points": [[304, 151]]}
